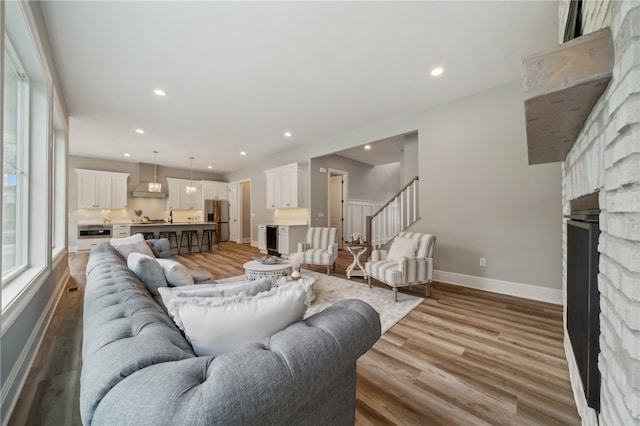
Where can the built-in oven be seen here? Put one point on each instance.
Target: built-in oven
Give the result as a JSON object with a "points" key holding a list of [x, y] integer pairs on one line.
{"points": [[272, 240], [94, 231]]}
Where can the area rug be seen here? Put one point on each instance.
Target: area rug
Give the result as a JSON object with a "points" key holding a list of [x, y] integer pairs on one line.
{"points": [[328, 290]]}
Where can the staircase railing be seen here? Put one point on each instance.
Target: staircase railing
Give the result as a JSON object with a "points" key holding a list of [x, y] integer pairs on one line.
{"points": [[398, 214]]}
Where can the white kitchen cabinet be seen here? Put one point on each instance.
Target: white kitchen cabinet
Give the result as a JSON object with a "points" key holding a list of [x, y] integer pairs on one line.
{"points": [[99, 189], [121, 230], [283, 239], [262, 238], [119, 192], [173, 199], [273, 180], [286, 186], [178, 198], [212, 190], [288, 238]]}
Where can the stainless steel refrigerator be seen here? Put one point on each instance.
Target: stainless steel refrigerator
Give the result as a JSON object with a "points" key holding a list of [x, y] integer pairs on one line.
{"points": [[218, 211]]}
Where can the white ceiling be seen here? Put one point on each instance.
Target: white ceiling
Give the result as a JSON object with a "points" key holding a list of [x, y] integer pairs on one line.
{"points": [[239, 74]]}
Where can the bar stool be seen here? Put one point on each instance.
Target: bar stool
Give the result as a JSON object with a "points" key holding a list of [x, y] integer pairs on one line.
{"points": [[168, 235], [208, 234], [187, 236], [149, 235]]}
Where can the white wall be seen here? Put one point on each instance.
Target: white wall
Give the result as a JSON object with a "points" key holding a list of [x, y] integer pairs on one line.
{"points": [[480, 197], [477, 193]]}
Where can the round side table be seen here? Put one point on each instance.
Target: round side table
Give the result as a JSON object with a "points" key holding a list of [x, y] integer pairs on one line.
{"points": [[356, 269]]}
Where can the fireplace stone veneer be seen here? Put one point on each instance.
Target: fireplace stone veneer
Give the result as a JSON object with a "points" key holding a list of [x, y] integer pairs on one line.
{"points": [[606, 158]]}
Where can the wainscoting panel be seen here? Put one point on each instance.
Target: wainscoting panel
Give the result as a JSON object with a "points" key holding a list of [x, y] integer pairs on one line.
{"points": [[357, 212]]}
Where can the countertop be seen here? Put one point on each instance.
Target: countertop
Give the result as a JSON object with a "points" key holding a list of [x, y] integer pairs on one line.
{"points": [[171, 224], [284, 224]]}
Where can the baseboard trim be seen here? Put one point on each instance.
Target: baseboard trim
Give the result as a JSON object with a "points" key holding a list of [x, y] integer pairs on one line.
{"points": [[20, 371], [526, 291]]}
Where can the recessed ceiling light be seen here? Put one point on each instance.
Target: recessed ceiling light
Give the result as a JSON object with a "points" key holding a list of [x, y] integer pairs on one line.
{"points": [[243, 153], [209, 167], [159, 92], [126, 154], [139, 131], [436, 71], [287, 134], [367, 147]]}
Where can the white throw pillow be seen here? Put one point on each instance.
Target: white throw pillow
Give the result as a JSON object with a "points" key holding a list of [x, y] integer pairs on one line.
{"points": [[403, 247], [250, 288], [115, 242], [215, 325], [176, 273]]}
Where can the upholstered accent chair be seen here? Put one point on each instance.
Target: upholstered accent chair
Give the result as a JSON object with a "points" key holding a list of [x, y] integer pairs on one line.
{"points": [[408, 261], [320, 247]]}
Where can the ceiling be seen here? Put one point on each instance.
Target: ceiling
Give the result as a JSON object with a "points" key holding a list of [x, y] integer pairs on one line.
{"points": [[237, 75], [385, 151]]}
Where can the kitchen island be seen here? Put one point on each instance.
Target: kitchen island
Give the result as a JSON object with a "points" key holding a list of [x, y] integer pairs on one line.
{"points": [[178, 227]]}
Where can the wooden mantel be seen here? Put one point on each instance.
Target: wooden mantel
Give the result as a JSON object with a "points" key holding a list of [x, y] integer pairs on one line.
{"points": [[560, 89]]}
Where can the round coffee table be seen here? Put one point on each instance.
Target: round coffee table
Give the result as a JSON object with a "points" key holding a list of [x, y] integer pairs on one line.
{"points": [[255, 270]]}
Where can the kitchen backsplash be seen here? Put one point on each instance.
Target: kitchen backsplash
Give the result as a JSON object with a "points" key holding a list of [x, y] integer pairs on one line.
{"points": [[127, 215], [291, 216]]}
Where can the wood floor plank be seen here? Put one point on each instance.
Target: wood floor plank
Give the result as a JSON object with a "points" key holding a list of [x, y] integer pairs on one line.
{"points": [[463, 356]]}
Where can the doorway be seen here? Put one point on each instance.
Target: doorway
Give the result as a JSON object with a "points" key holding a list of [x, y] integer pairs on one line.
{"points": [[244, 211], [338, 184]]}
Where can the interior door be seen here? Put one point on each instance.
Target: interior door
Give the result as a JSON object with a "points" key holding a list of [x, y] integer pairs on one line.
{"points": [[233, 212], [336, 219]]}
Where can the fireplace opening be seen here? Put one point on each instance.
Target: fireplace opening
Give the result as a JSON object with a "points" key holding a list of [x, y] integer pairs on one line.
{"points": [[583, 296]]}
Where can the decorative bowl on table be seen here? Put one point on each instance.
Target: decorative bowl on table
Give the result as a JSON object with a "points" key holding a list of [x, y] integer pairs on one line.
{"points": [[268, 260]]}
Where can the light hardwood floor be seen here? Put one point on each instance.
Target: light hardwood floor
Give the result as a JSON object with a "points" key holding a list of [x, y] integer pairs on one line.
{"points": [[461, 357]]}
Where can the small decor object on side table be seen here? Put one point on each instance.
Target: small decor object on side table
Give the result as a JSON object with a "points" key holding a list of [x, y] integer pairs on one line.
{"points": [[296, 260], [356, 238]]}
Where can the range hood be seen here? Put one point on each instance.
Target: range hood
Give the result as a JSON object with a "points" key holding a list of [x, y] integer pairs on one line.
{"points": [[142, 188]]}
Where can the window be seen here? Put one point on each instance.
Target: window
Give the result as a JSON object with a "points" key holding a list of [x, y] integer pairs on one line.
{"points": [[15, 162]]}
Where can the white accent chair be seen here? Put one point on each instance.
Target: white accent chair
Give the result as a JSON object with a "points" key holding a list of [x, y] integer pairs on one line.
{"points": [[408, 261], [320, 248]]}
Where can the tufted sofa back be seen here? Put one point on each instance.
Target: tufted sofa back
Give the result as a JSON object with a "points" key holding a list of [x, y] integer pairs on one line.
{"points": [[124, 329]]}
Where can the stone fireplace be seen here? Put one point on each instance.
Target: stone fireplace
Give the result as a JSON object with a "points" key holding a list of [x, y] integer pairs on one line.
{"points": [[606, 159]]}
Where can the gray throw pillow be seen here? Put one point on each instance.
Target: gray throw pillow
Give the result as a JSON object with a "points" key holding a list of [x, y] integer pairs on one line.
{"points": [[148, 270], [139, 247]]}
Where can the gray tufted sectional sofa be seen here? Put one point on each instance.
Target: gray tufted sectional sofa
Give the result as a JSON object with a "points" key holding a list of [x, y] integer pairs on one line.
{"points": [[138, 369]]}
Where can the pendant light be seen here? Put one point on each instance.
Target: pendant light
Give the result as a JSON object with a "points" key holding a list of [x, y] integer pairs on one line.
{"points": [[155, 186], [191, 189]]}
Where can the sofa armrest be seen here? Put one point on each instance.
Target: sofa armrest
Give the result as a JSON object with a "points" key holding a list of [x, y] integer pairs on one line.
{"points": [[417, 269], [304, 373], [333, 249], [303, 246], [378, 255]]}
